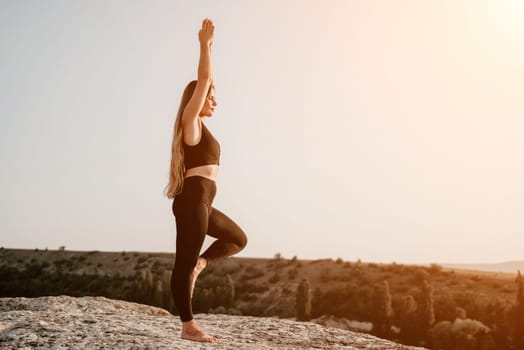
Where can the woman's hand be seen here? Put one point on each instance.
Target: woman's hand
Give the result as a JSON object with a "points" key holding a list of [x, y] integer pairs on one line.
{"points": [[205, 35]]}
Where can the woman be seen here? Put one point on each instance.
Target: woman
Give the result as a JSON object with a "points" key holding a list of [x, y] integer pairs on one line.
{"points": [[195, 159]]}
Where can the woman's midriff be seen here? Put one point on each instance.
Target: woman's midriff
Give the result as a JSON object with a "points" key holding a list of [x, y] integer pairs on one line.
{"points": [[209, 171]]}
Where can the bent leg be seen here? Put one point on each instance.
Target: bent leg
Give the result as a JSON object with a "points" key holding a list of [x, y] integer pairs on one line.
{"points": [[230, 237]]}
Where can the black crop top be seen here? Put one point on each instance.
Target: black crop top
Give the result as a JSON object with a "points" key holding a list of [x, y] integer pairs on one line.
{"points": [[207, 151]]}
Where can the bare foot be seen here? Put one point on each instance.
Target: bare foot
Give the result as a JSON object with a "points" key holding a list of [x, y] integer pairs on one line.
{"points": [[190, 331], [200, 265]]}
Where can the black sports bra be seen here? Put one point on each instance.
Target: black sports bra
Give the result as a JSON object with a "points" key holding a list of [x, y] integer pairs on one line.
{"points": [[207, 151]]}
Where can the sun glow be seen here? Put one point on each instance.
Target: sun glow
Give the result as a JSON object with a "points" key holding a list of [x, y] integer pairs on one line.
{"points": [[514, 11], [496, 29], [517, 6], [511, 32]]}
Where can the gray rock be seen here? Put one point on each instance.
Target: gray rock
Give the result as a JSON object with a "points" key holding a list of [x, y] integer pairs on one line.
{"points": [[65, 322]]}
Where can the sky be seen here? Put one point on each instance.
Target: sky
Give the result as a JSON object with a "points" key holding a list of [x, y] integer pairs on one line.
{"points": [[374, 130]]}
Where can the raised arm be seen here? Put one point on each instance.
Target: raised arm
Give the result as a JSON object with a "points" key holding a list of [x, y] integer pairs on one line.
{"points": [[205, 77]]}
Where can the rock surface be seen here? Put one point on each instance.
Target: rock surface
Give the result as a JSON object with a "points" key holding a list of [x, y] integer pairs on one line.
{"points": [[65, 322]]}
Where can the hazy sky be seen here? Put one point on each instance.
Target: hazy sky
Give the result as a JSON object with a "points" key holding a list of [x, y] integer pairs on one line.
{"points": [[380, 130]]}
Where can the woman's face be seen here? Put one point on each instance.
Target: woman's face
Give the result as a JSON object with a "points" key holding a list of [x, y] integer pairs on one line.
{"points": [[209, 105]]}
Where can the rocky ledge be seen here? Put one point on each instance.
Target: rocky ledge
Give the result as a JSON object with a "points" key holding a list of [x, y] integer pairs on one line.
{"points": [[65, 322]]}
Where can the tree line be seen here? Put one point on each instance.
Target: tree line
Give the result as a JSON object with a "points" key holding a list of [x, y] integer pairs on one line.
{"points": [[413, 321], [414, 318]]}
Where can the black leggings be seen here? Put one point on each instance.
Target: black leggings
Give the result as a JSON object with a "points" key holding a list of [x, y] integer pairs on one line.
{"points": [[195, 217]]}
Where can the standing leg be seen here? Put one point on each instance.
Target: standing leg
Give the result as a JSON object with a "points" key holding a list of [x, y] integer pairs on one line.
{"points": [[230, 237], [191, 225]]}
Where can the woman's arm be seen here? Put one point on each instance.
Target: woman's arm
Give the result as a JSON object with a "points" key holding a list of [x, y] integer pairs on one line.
{"points": [[205, 37], [205, 76]]}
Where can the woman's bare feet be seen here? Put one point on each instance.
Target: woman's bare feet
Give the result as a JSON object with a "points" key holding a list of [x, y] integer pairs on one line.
{"points": [[190, 331], [200, 265]]}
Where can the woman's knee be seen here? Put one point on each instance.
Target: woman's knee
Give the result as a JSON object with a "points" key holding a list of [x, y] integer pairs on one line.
{"points": [[242, 241]]}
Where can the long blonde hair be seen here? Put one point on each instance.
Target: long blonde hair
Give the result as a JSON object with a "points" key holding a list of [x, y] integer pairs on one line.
{"points": [[177, 169]]}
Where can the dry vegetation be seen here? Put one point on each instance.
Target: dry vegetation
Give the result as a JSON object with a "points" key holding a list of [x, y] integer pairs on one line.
{"points": [[272, 282], [268, 287]]}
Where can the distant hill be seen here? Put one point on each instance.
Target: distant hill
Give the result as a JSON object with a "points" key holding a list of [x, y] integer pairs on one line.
{"points": [[506, 267], [263, 286]]}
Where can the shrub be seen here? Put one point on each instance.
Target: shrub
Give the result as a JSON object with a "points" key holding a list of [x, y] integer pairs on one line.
{"points": [[252, 272], [475, 278], [452, 282], [435, 269], [461, 334], [234, 311], [249, 297], [495, 285], [420, 275], [218, 310], [275, 278], [231, 268]]}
